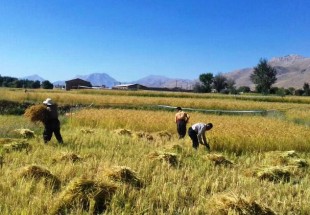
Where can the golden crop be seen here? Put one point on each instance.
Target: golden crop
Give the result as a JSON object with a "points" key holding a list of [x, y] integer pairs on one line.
{"points": [[233, 133]]}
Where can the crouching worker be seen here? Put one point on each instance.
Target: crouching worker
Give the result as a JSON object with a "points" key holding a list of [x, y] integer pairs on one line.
{"points": [[197, 133], [51, 122]]}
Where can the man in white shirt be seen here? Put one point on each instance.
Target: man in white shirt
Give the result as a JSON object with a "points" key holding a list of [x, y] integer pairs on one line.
{"points": [[197, 133]]}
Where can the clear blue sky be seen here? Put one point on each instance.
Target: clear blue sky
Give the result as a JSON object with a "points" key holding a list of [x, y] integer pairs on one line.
{"points": [[131, 39]]}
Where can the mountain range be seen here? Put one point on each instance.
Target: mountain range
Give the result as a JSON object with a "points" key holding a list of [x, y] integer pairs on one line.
{"points": [[292, 71]]}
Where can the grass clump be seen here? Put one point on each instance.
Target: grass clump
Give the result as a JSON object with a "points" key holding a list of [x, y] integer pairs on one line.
{"points": [[274, 174], [40, 173], [166, 157], [8, 140], [26, 133], [164, 135], [124, 132], [175, 147], [144, 135], [87, 131], [232, 204], [286, 158], [71, 157], [88, 195], [16, 146], [124, 174], [218, 159]]}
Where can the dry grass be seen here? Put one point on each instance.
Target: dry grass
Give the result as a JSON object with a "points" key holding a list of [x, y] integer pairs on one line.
{"points": [[36, 113], [124, 174], [16, 146], [123, 132], [175, 147], [87, 131], [88, 195], [166, 157], [219, 159], [8, 140], [71, 157], [40, 173], [285, 158], [274, 174], [233, 204], [26, 133], [164, 135], [144, 135]]}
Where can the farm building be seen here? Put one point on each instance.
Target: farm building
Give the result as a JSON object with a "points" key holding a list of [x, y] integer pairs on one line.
{"points": [[77, 84], [130, 87]]}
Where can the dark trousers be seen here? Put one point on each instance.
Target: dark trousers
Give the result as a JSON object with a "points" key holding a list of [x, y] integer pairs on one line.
{"points": [[181, 128], [50, 127], [193, 135]]}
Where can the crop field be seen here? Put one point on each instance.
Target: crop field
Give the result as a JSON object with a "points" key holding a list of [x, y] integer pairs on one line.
{"points": [[121, 155]]}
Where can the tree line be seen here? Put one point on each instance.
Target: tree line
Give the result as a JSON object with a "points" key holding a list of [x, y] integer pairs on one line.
{"points": [[263, 77], [7, 81]]}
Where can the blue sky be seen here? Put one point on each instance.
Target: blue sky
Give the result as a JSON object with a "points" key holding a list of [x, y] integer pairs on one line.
{"points": [[131, 39]]}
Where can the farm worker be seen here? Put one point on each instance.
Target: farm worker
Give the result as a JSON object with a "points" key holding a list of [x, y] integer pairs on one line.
{"points": [[181, 119], [197, 133], [51, 122]]}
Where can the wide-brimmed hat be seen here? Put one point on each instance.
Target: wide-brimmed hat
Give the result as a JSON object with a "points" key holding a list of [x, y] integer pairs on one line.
{"points": [[48, 101]]}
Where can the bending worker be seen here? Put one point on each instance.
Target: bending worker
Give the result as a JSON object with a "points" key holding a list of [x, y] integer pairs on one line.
{"points": [[197, 133]]}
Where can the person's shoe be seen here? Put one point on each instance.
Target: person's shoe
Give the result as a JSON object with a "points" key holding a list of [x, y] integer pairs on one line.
{"points": [[208, 147]]}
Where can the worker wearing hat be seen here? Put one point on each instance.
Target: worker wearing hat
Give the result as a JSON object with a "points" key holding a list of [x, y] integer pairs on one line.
{"points": [[51, 122]]}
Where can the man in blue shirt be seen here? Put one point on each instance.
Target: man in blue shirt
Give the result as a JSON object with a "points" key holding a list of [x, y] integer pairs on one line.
{"points": [[197, 133]]}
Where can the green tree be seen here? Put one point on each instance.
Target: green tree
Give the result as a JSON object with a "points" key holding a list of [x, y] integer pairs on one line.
{"points": [[219, 82], [263, 76], [198, 88], [306, 88], [47, 85], [36, 85], [230, 85], [206, 79], [244, 89], [291, 91]]}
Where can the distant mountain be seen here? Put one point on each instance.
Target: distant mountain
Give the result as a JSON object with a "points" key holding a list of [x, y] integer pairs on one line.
{"points": [[33, 78], [99, 79], [164, 82], [292, 71]]}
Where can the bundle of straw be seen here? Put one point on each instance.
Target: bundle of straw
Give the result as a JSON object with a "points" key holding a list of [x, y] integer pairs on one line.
{"points": [[124, 174], [89, 195], [27, 133], [233, 204], [36, 113], [219, 159], [16, 146], [38, 173], [169, 158]]}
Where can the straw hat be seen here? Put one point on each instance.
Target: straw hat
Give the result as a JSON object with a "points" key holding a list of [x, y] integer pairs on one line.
{"points": [[48, 101]]}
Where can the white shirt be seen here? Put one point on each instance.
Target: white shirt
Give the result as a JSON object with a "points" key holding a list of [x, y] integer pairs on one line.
{"points": [[200, 129]]}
